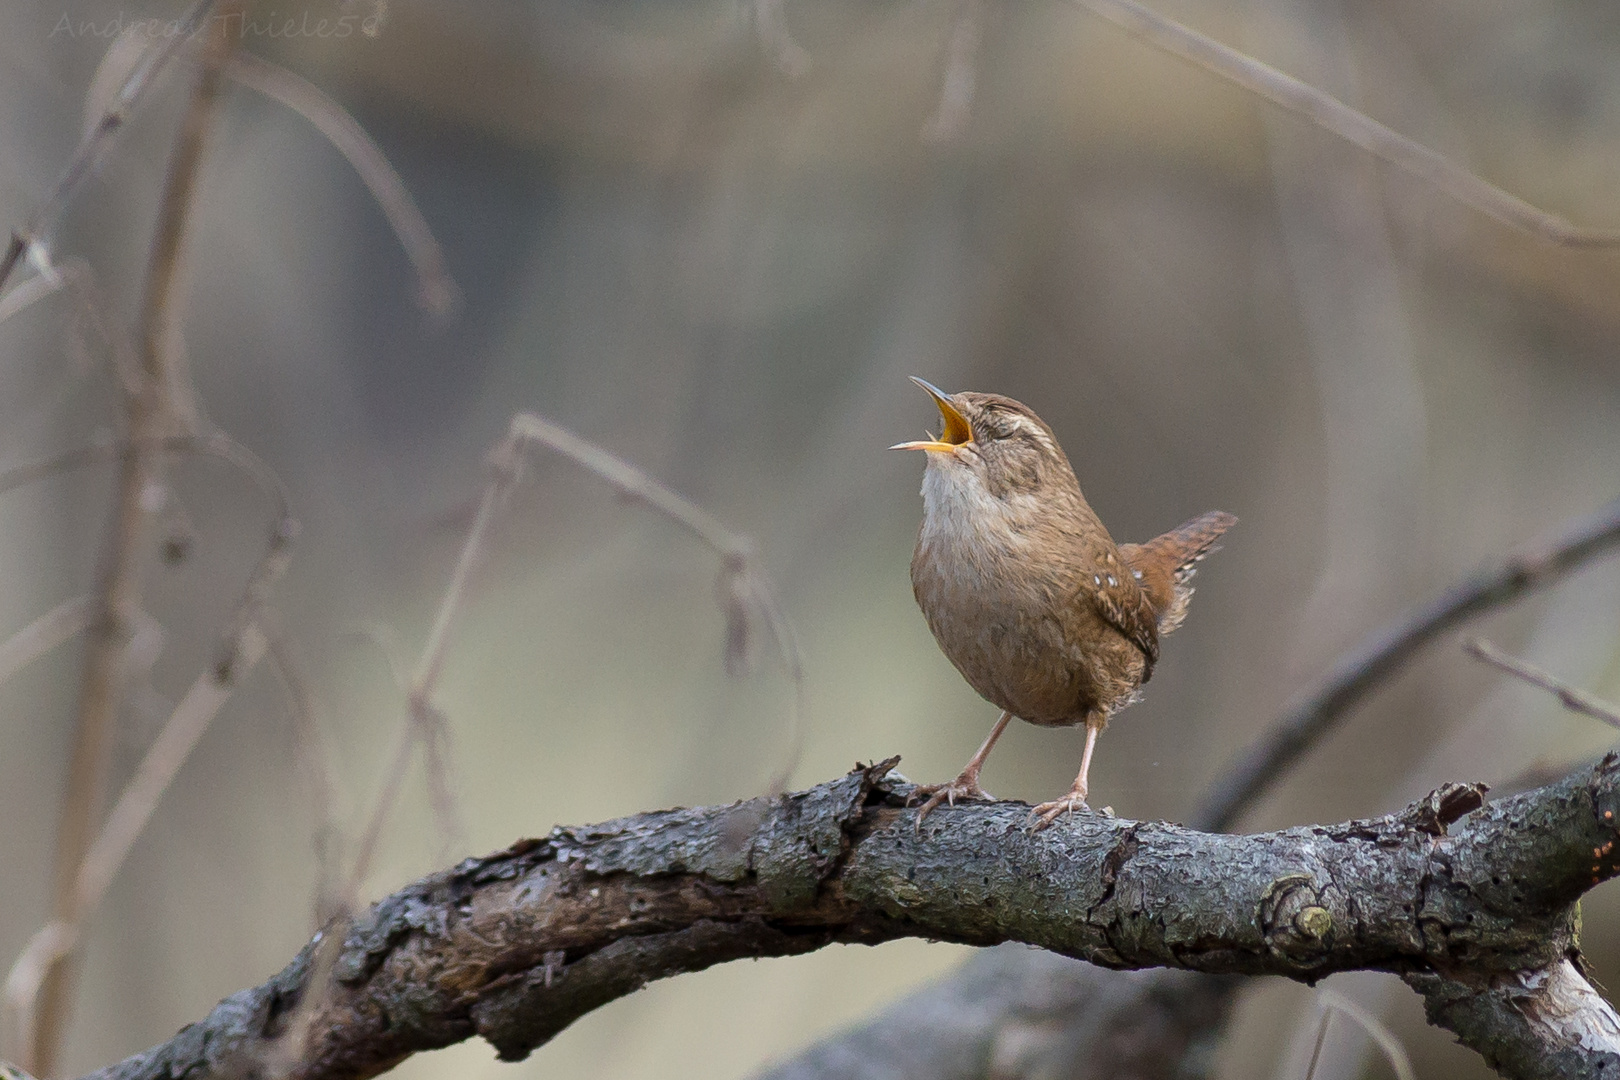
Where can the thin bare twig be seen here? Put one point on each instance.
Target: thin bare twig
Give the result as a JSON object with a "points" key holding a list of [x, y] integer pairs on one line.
{"points": [[422, 716], [75, 277], [436, 291], [217, 445], [1380, 1034], [83, 163], [1321, 1037], [157, 769], [747, 594], [314, 759], [53, 945], [43, 634], [1388, 650], [1572, 699], [427, 726], [29, 293], [423, 726], [1331, 114]]}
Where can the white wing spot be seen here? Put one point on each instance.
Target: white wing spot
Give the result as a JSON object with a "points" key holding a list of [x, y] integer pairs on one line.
{"points": [[1137, 574], [1111, 580], [1095, 580]]}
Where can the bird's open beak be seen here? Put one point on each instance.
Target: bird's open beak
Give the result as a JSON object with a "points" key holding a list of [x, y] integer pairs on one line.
{"points": [[957, 431]]}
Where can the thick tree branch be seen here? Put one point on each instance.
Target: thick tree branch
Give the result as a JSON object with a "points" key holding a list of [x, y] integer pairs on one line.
{"points": [[517, 945]]}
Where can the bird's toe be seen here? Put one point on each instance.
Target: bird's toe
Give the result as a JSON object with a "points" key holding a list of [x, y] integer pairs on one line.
{"points": [[963, 787], [1046, 814]]}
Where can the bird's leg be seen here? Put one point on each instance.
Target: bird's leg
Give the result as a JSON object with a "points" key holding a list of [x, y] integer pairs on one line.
{"points": [[966, 785], [1048, 812]]}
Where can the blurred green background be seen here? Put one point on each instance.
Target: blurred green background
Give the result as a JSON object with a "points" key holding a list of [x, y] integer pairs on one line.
{"points": [[718, 251]]}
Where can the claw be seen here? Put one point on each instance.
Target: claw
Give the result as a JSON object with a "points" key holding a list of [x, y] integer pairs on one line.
{"points": [[963, 787], [1046, 814]]}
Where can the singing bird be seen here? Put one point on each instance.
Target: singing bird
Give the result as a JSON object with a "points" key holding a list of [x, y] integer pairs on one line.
{"points": [[1025, 591]]}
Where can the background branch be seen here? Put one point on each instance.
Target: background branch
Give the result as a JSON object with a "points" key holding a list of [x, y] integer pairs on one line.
{"points": [[1329, 113], [1389, 649]]}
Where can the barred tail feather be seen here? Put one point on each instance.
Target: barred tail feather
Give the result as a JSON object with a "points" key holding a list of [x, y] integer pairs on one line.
{"points": [[1165, 565]]}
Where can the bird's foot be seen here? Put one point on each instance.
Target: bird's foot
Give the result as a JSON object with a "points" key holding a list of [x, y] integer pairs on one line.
{"points": [[965, 786], [1046, 814]]}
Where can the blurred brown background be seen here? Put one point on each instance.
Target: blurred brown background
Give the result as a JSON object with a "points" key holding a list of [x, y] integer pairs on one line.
{"points": [[718, 251]]}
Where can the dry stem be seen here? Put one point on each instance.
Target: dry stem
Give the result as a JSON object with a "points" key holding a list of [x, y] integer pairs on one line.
{"points": [[436, 290], [43, 634], [1331, 114], [747, 594], [83, 163], [1375, 1028], [1572, 699], [55, 942], [315, 761]]}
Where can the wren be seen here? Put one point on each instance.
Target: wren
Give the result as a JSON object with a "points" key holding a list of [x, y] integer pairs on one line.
{"points": [[1025, 591]]}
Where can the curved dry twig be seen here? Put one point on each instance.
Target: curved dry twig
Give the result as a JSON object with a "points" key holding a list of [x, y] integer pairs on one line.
{"points": [[436, 289], [1376, 1029], [747, 594], [1329, 113]]}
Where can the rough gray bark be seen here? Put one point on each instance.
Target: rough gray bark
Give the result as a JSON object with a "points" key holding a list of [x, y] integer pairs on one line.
{"points": [[517, 945]]}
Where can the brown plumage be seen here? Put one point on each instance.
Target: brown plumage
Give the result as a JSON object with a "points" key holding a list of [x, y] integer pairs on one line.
{"points": [[1025, 591]]}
